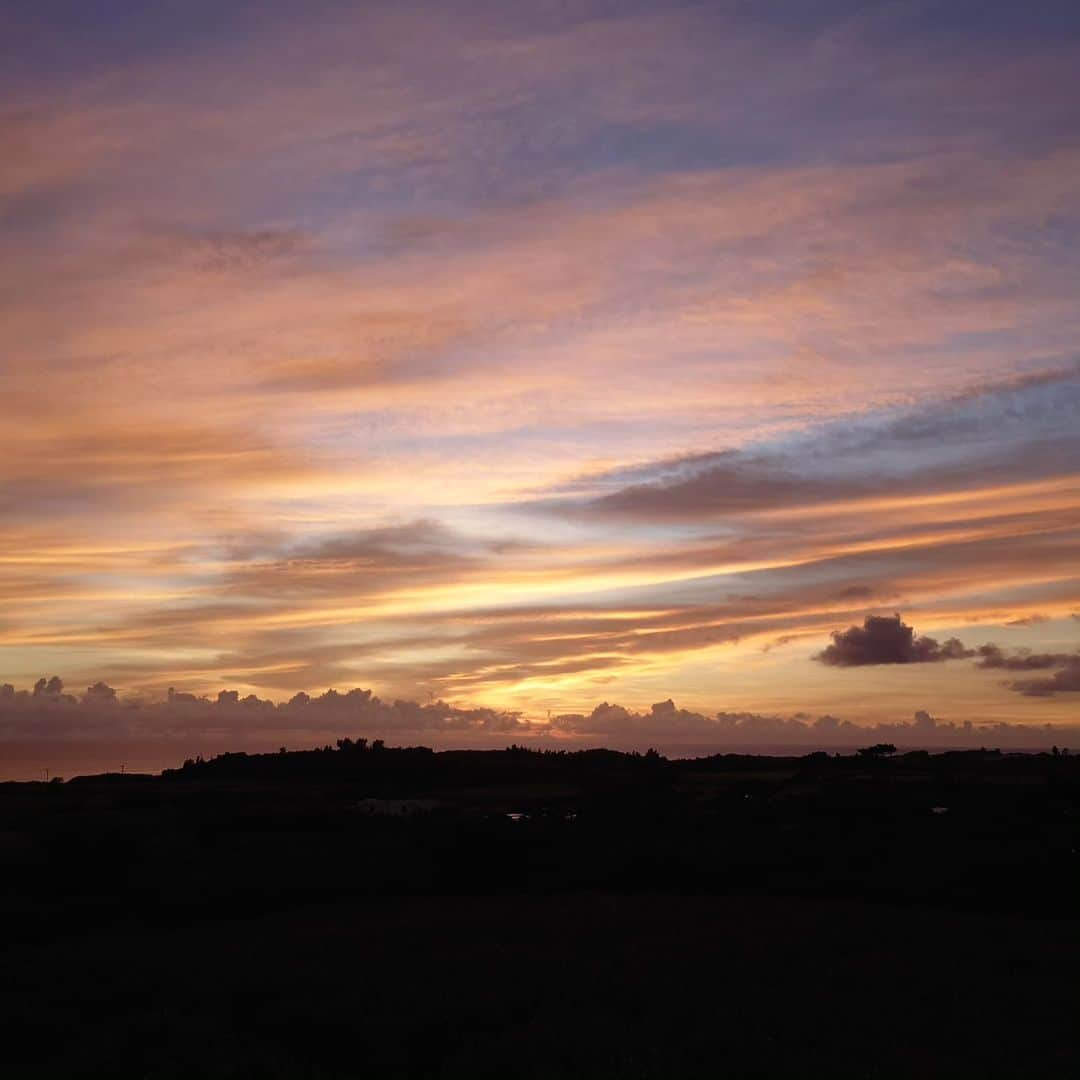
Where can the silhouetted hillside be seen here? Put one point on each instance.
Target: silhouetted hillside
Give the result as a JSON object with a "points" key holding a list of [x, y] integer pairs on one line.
{"points": [[362, 909]]}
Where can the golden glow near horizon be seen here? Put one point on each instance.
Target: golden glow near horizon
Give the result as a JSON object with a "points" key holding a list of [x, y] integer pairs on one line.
{"points": [[484, 356]]}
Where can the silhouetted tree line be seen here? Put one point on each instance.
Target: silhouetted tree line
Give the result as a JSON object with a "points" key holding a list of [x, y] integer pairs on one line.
{"points": [[380, 769]]}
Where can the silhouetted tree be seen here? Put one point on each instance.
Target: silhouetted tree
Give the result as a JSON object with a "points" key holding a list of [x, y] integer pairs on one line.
{"points": [[881, 749]]}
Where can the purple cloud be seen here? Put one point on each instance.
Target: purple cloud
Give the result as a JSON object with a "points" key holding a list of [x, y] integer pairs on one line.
{"points": [[886, 639]]}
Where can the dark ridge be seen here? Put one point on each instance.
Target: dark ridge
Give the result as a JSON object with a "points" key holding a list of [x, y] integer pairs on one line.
{"points": [[369, 910]]}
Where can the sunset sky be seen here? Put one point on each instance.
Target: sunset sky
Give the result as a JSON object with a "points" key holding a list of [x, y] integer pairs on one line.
{"points": [[530, 356]]}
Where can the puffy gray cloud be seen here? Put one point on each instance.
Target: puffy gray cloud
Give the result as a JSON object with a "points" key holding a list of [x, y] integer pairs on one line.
{"points": [[664, 719], [49, 688], [100, 694], [47, 711], [889, 640], [886, 639], [992, 656], [1067, 680], [670, 727]]}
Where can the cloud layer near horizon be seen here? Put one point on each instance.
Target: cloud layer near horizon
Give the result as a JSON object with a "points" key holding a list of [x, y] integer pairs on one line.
{"points": [[415, 347], [186, 723]]}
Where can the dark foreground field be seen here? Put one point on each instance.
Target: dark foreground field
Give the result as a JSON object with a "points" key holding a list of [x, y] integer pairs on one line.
{"points": [[360, 913]]}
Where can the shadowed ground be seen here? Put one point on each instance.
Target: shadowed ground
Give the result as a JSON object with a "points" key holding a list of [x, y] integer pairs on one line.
{"points": [[641, 918]]}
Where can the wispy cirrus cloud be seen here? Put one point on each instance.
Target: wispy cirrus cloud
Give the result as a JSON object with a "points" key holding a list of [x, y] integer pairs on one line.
{"points": [[414, 346]]}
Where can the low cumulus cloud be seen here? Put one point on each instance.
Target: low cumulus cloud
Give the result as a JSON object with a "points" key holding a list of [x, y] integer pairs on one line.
{"points": [[665, 722], [887, 639], [49, 711], [1067, 680], [991, 656], [53, 721]]}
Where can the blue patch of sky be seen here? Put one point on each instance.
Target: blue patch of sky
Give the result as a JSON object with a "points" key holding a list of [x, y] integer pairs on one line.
{"points": [[1004, 21], [51, 39]]}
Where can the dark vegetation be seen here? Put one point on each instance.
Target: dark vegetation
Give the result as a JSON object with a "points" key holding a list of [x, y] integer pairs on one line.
{"points": [[366, 911]]}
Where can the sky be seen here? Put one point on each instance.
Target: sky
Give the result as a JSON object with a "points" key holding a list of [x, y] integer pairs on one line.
{"points": [[538, 364]]}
